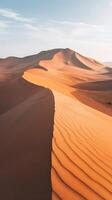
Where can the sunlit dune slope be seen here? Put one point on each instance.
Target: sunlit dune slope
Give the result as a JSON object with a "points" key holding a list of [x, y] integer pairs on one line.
{"points": [[82, 136]]}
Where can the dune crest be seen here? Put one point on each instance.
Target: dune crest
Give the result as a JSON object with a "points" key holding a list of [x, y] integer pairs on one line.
{"points": [[81, 144], [55, 127]]}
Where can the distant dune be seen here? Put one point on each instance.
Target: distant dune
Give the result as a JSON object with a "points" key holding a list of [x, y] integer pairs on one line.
{"points": [[108, 64], [56, 127]]}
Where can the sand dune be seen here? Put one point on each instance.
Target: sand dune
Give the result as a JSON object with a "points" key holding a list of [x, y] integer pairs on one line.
{"points": [[25, 145], [79, 119], [81, 146]]}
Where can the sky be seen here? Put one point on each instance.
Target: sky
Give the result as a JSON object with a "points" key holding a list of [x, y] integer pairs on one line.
{"points": [[30, 26]]}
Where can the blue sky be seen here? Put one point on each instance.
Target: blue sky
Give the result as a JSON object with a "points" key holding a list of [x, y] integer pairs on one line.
{"points": [[27, 27]]}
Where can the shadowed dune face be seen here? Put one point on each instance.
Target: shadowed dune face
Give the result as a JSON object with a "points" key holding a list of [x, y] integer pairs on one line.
{"points": [[96, 94], [78, 159], [105, 85], [14, 92], [90, 63], [99, 100], [26, 128]]}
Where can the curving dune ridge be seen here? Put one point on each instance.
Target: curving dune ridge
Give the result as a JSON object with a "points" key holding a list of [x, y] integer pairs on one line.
{"points": [[82, 136], [55, 127]]}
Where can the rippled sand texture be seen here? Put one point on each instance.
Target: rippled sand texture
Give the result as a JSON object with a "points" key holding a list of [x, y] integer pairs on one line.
{"points": [[82, 136]]}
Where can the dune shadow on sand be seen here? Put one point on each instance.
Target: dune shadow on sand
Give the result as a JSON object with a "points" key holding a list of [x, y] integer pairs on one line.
{"points": [[97, 94], [26, 131]]}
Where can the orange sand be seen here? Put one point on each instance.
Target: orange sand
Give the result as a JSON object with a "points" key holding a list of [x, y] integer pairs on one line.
{"points": [[82, 137]]}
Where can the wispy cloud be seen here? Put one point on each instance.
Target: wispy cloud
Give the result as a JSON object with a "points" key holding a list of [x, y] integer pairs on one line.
{"points": [[10, 14], [71, 31], [31, 36]]}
